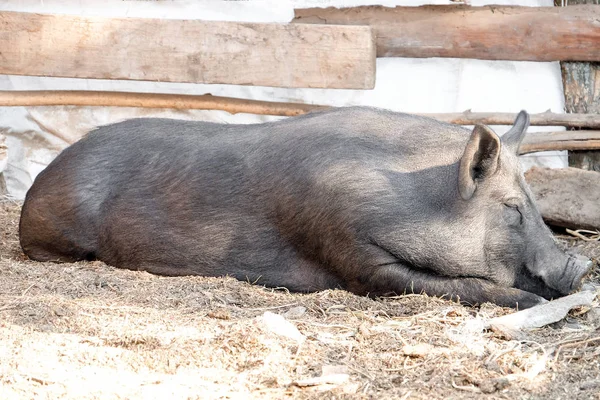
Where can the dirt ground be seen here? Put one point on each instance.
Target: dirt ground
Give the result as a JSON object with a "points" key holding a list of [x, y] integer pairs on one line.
{"points": [[90, 331]]}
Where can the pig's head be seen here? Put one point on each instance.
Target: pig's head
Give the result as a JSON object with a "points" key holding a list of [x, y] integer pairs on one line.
{"points": [[519, 249]]}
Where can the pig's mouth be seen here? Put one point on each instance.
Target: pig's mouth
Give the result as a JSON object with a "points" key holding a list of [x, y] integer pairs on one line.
{"points": [[534, 284]]}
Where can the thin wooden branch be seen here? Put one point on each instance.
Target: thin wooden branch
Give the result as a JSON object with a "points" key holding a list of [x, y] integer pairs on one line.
{"points": [[489, 32], [235, 105], [151, 100], [542, 119]]}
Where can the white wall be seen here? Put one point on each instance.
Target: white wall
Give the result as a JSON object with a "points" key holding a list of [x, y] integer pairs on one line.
{"points": [[36, 134]]}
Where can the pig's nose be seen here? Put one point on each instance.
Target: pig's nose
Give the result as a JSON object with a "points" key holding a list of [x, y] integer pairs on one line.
{"points": [[585, 265]]}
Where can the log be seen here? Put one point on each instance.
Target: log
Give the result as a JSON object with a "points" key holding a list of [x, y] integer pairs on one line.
{"points": [[567, 197], [285, 55], [12, 98], [564, 140], [487, 33]]}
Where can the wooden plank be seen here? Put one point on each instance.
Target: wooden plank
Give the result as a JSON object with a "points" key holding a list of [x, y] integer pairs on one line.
{"points": [[565, 140], [566, 197], [488, 33], [285, 55]]}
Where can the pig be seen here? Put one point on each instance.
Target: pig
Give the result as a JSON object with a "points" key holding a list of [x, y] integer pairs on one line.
{"points": [[367, 200]]}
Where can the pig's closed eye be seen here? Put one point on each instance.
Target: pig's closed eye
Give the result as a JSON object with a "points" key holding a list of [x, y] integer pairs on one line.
{"points": [[514, 209]]}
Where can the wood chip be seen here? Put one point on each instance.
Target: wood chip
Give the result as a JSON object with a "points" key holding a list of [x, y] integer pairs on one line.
{"points": [[541, 315]]}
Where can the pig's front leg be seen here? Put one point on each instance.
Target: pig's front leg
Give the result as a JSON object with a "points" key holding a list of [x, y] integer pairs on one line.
{"points": [[398, 278]]}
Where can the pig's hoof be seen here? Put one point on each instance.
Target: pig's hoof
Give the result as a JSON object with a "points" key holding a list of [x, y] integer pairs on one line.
{"points": [[530, 300]]}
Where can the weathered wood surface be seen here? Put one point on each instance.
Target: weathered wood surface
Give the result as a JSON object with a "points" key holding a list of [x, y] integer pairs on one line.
{"points": [[567, 197], [236, 105], [565, 140], [581, 82], [513, 326], [489, 33], [285, 55], [582, 86]]}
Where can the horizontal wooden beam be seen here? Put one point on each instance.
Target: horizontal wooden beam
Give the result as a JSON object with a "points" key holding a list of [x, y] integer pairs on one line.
{"points": [[488, 33], [564, 140], [284, 55], [571, 145], [12, 98]]}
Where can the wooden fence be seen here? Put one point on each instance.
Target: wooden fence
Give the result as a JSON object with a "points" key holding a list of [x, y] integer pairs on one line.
{"points": [[325, 48]]}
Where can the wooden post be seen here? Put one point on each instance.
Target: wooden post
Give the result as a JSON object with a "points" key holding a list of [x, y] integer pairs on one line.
{"points": [[582, 95]]}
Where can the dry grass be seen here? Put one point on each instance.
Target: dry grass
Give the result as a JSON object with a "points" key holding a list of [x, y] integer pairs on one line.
{"points": [[86, 331]]}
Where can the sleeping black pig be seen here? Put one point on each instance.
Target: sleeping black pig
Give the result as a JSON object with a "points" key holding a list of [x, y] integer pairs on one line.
{"points": [[371, 201]]}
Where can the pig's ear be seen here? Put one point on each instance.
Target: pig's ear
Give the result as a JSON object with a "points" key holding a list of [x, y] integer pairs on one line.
{"points": [[513, 138], [479, 161]]}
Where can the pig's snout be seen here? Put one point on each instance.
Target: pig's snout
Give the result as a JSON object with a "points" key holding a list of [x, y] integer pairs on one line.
{"points": [[583, 266], [567, 276], [576, 269]]}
